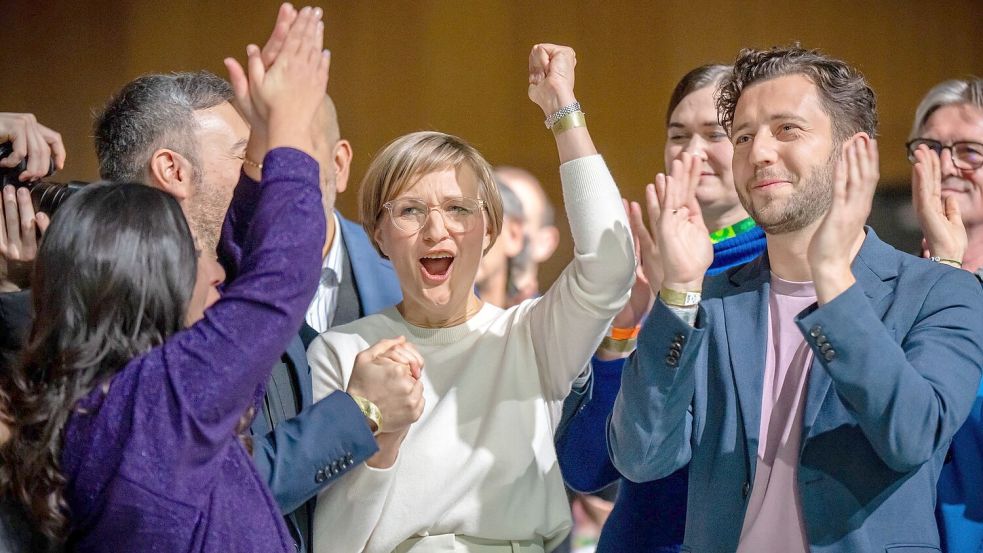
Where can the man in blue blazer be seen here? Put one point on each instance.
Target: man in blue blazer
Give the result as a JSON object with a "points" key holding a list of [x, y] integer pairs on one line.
{"points": [[813, 391]]}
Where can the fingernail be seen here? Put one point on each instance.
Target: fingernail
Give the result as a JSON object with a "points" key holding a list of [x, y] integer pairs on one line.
{"points": [[305, 10]]}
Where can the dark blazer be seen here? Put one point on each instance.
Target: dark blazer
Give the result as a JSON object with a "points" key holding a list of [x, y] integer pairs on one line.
{"points": [[897, 363], [312, 444]]}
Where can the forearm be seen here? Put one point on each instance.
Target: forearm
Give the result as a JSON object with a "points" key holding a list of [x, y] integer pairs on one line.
{"points": [[909, 399], [240, 338], [603, 249], [307, 453], [651, 422], [581, 448], [348, 512]]}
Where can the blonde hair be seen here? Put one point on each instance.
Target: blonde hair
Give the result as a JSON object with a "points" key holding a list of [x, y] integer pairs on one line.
{"points": [[407, 159]]}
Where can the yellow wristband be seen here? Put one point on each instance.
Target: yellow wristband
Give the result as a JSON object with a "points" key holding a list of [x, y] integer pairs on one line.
{"points": [[372, 413], [676, 298], [569, 121], [619, 346]]}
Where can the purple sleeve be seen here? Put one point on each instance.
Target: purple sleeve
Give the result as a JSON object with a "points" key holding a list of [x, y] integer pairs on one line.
{"points": [[272, 243]]}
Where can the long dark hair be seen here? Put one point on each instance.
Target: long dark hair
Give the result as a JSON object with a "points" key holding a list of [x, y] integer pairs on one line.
{"points": [[113, 278]]}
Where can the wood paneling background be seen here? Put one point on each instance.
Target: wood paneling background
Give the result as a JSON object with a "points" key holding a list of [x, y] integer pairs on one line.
{"points": [[460, 66]]}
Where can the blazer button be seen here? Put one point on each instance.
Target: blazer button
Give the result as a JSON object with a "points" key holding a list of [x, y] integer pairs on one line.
{"points": [[680, 338], [821, 339], [746, 489], [816, 331], [676, 346], [320, 477], [829, 355], [672, 361]]}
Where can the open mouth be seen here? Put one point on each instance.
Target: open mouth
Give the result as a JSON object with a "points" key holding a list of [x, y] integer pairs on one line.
{"points": [[436, 267]]}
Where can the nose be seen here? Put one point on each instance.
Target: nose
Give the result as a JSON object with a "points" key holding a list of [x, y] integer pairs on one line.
{"points": [[696, 147], [947, 165], [762, 150], [213, 271], [434, 229]]}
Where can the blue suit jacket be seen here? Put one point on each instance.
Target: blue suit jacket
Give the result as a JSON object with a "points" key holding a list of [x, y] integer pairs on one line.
{"points": [[897, 363], [304, 454]]}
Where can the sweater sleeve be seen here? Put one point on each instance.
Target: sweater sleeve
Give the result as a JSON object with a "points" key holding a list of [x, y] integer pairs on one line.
{"points": [[568, 322], [348, 511], [212, 369]]}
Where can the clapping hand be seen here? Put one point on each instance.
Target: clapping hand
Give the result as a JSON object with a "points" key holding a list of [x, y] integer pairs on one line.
{"points": [[675, 248], [940, 220], [834, 244]]}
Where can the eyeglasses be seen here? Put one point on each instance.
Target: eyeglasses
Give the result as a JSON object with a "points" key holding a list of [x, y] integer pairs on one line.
{"points": [[459, 214], [965, 155]]}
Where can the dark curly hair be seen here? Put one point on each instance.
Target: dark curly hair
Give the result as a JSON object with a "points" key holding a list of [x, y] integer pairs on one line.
{"points": [[113, 278], [845, 95]]}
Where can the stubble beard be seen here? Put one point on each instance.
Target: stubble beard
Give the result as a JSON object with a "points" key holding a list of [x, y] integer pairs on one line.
{"points": [[806, 204]]}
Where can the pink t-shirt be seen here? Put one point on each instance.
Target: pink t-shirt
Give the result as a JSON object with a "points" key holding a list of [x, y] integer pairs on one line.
{"points": [[773, 522]]}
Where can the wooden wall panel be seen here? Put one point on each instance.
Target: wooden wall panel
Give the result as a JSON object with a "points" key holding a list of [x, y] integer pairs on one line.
{"points": [[460, 66]]}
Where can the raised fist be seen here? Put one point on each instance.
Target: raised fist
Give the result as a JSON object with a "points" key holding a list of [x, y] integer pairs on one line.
{"points": [[551, 76]]}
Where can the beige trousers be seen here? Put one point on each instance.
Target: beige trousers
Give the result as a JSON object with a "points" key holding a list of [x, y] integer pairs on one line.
{"points": [[453, 543]]}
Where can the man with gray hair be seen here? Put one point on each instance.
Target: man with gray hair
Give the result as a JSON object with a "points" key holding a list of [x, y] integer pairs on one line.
{"points": [[946, 149], [495, 279]]}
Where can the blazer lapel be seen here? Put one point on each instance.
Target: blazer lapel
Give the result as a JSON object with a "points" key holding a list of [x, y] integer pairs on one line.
{"points": [[746, 325], [874, 268], [375, 291]]}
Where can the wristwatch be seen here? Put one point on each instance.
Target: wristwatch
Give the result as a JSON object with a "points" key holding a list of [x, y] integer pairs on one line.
{"points": [[372, 413]]}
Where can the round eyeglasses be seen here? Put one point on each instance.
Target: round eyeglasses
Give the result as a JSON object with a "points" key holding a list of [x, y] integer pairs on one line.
{"points": [[459, 214], [967, 156]]}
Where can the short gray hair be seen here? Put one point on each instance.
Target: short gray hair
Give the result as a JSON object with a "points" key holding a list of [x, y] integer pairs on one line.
{"points": [[954, 91], [152, 112]]}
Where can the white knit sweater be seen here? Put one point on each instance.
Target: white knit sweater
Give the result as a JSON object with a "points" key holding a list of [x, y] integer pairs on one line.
{"points": [[480, 461]]}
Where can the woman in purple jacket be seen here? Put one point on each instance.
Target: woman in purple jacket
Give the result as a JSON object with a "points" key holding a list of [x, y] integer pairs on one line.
{"points": [[136, 381]]}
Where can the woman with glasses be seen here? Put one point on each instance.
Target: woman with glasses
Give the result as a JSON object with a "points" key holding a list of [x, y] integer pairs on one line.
{"points": [[946, 149], [477, 471]]}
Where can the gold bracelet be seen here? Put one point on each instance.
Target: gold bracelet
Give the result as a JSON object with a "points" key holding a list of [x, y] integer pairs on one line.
{"points": [[569, 121], [371, 413], [619, 346], [251, 163], [950, 262], [676, 298]]}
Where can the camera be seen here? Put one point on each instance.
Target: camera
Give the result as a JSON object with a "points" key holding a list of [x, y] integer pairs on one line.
{"points": [[46, 196]]}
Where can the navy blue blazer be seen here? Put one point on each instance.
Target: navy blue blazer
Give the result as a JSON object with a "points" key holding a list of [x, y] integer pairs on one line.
{"points": [[897, 364], [304, 454]]}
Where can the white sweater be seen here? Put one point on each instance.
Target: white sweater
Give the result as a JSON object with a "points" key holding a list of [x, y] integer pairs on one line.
{"points": [[480, 461]]}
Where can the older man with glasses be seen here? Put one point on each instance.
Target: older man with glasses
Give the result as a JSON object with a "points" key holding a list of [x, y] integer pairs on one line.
{"points": [[946, 148]]}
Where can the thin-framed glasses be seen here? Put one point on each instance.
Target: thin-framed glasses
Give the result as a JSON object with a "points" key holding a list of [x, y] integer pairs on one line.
{"points": [[411, 214], [966, 155]]}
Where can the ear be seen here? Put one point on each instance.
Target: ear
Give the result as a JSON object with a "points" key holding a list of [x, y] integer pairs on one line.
{"points": [[545, 243], [511, 237], [342, 164], [377, 236], [172, 173]]}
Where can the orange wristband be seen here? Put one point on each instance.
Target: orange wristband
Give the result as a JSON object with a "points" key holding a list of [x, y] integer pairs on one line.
{"points": [[624, 333]]}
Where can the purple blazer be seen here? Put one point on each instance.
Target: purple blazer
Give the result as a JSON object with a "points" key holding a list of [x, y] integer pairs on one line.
{"points": [[154, 464]]}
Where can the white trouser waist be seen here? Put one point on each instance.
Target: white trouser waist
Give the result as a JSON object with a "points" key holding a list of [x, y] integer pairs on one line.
{"points": [[453, 543]]}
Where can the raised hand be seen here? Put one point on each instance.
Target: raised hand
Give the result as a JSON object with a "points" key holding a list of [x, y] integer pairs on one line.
{"points": [[834, 244], [30, 139], [551, 76], [679, 242], [649, 268], [283, 99], [381, 376], [940, 220]]}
